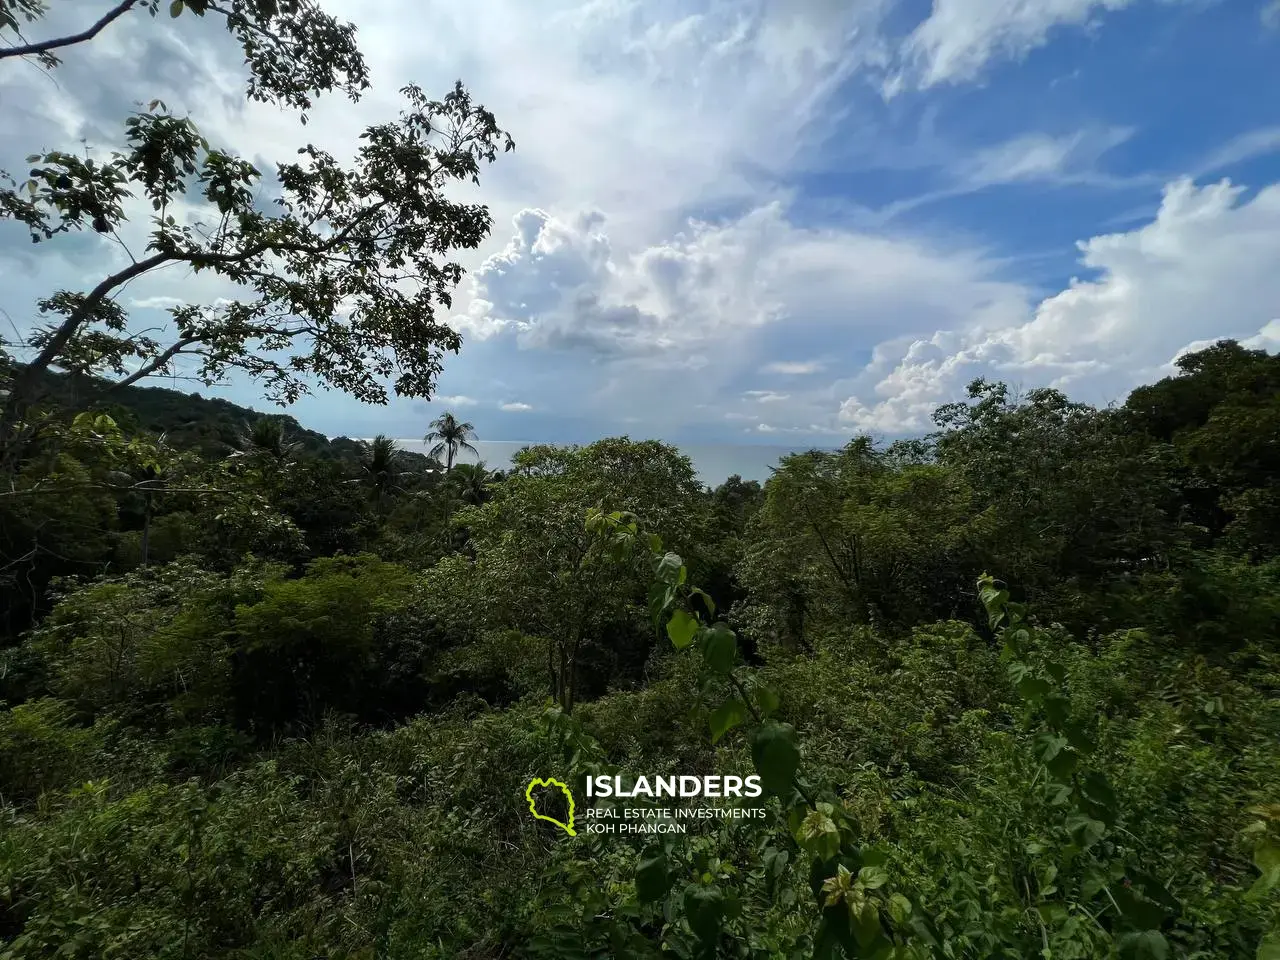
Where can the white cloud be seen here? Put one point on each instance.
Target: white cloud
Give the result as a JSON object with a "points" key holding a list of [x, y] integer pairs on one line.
{"points": [[1268, 338], [559, 284], [1041, 157], [793, 368], [960, 37], [1203, 269], [515, 407], [456, 400], [1246, 146], [629, 118], [650, 318], [810, 429], [157, 303], [1072, 159]]}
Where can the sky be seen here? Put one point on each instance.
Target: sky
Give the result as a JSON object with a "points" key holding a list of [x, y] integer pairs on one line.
{"points": [[754, 222]]}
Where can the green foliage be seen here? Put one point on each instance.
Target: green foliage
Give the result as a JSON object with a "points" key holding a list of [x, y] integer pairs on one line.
{"points": [[307, 646], [322, 749]]}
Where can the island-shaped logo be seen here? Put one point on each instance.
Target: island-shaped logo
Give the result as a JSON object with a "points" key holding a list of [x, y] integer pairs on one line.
{"points": [[565, 825]]}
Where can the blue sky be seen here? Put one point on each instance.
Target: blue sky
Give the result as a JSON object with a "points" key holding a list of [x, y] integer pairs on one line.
{"points": [[762, 222]]}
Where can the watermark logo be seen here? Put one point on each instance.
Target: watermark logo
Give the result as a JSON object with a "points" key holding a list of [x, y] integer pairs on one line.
{"points": [[647, 804], [533, 803]]}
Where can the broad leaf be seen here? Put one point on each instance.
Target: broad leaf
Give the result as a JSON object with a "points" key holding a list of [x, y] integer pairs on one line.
{"points": [[704, 908], [653, 879], [720, 648], [728, 715], [776, 757], [682, 628]]}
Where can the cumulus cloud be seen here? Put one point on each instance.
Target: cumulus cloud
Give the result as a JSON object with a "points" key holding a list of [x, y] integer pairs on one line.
{"points": [[1203, 269], [557, 284], [457, 400], [1268, 338], [725, 291], [515, 407], [644, 222]]}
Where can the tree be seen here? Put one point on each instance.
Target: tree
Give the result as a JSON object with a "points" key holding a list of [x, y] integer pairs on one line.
{"points": [[448, 435], [851, 535], [541, 572], [1220, 415], [473, 481], [1066, 491], [337, 282], [266, 440], [380, 468]]}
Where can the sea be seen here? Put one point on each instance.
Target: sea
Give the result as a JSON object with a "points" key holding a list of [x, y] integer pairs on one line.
{"points": [[714, 462]]}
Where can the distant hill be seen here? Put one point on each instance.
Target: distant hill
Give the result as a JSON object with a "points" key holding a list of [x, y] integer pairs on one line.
{"points": [[209, 425]]}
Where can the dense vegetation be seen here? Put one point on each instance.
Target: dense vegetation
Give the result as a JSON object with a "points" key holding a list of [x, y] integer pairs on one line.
{"points": [[267, 696], [304, 726]]}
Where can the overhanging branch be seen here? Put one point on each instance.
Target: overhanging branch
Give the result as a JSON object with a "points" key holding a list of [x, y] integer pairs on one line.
{"points": [[44, 46]]}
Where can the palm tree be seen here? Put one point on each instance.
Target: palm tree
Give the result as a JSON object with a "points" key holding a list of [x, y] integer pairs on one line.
{"points": [[473, 482], [381, 468], [448, 435], [265, 439]]}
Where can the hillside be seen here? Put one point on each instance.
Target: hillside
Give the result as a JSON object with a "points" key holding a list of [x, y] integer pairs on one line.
{"points": [[211, 426]]}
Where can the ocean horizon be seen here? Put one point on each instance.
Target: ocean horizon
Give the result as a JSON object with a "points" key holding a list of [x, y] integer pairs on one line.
{"points": [[714, 462]]}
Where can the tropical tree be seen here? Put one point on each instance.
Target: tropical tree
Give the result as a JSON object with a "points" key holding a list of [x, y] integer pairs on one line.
{"points": [[337, 281], [473, 482], [267, 439], [448, 435], [380, 469]]}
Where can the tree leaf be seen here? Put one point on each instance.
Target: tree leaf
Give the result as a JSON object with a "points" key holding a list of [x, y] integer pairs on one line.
{"points": [[728, 715], [767, 700], [873, 877], [175, 8], [667, 568], [719, 648], [1138, 911], [1144, 945], [704, 909], [706, 599], [866, 924], [899, 908], [682, 628], [1085, 831], [776, 757], [653, 879]]}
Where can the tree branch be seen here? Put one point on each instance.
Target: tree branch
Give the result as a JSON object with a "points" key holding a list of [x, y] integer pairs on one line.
{"points": [[150, 368], [46, 45], [26, 377]]}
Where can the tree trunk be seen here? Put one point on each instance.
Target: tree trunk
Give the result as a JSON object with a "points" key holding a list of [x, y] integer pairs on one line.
{"points": [[146, 530]]}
